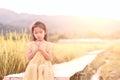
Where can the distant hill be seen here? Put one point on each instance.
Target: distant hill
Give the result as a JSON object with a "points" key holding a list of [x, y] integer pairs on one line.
{"points": [[71, 26]]}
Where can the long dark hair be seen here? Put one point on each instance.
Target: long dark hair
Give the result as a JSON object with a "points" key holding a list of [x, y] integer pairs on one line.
{"points": [[38, 24]]}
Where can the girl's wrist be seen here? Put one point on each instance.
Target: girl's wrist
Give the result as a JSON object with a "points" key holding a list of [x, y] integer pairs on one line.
{"points": [[42, 51], [34, 51]]}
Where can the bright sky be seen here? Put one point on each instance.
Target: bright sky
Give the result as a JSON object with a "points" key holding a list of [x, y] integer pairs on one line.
{"points": [[92, 8]]}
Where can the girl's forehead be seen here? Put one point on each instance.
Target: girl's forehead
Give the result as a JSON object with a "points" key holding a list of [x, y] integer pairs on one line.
{"points": [[38, 28]]}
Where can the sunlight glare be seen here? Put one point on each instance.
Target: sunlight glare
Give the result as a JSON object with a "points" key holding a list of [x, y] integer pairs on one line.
{"points": [[88, 8]]}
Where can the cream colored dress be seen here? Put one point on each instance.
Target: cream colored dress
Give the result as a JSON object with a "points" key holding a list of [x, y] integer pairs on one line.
{"points": [[39, 68]]}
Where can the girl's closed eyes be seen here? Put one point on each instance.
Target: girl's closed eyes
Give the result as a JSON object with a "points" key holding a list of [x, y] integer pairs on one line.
{"points": [[39, 33]]}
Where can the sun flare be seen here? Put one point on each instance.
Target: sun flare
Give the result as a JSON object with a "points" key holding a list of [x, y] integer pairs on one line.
{"points": [[88, 8]]}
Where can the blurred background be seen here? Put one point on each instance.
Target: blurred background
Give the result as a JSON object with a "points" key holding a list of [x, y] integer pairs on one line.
{"points": [[64, 19], [75, 27]]}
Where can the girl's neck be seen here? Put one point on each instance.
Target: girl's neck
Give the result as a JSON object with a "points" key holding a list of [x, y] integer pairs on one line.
{"points": [[40, 41]]}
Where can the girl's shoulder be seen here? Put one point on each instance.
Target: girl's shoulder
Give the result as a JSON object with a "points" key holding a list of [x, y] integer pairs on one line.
{"points": [[30, 44], [48, 43]]}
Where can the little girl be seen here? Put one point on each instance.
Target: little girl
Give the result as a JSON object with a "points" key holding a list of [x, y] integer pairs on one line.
{"points": [[39, 54]]}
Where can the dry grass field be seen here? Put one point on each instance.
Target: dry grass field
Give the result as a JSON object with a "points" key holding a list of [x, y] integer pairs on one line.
{"points": [[13, 56]]}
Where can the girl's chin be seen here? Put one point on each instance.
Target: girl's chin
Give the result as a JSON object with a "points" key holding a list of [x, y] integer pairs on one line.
{"points": [[40, 39]]}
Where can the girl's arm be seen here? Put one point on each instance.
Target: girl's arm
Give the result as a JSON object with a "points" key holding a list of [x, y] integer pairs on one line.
{"points": [[32, 52], [47, 54]]}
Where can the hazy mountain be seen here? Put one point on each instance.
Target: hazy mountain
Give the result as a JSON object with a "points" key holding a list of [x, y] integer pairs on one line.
{"points": [[68, 25]]}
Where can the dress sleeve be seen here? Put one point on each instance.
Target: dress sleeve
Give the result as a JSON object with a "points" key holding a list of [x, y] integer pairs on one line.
{"points": [[31, 45]]}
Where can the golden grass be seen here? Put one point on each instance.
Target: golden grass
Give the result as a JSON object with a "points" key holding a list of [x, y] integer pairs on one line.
{"points": [[110, 69], [67, 51], [13, 53]]}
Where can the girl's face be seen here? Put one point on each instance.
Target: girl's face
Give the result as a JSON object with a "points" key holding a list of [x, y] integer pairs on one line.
{"points": [[39, 33]]}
